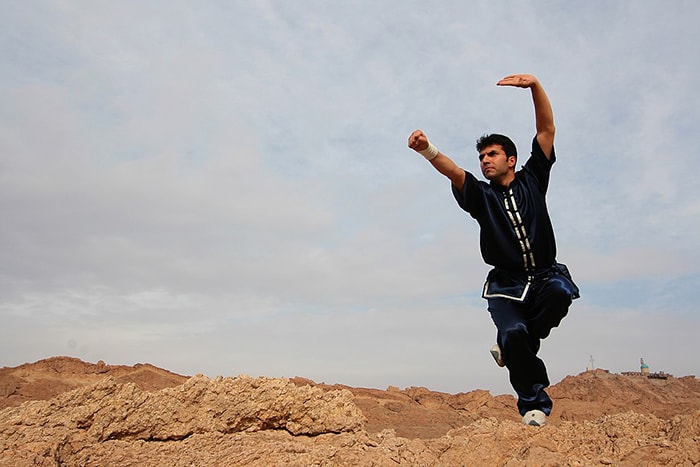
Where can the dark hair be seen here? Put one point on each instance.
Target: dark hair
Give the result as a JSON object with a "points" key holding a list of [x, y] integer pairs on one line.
{"points": [[503, 141]]}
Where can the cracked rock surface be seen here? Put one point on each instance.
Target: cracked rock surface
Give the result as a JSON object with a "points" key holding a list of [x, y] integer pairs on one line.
{"points": [[82, 414]]}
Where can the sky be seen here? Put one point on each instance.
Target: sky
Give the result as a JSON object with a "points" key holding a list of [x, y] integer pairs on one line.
{"points": [[225, 187]]}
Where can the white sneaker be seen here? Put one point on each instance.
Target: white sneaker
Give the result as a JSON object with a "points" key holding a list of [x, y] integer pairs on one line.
{"points": [[535, 418], [496, 354]]}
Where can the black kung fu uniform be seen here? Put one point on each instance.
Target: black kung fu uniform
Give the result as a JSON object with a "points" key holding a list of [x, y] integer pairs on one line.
{"points": [[528, 292]]}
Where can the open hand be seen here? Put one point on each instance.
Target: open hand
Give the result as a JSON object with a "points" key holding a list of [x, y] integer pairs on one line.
{"points": [[519, 81]]}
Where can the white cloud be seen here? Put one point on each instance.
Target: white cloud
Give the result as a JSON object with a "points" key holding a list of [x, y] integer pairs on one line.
{"points": [[228, 188]]}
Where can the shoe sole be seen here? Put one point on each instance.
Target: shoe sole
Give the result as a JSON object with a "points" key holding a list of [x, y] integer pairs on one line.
{"points": [[535, 418], [497, 357]]}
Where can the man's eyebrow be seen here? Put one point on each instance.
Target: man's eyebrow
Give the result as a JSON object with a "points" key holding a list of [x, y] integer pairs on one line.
{"points": [[490, 153]]}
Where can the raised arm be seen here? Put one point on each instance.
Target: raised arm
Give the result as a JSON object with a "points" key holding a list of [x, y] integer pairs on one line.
{"points": [[443, 164], [544, 116]]}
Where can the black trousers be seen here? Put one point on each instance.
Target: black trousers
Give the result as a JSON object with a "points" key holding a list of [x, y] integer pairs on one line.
{"points": [[521, 326]]}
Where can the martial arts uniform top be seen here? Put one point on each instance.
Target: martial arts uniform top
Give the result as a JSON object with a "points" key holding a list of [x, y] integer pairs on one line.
{"points": [[517, 237]]}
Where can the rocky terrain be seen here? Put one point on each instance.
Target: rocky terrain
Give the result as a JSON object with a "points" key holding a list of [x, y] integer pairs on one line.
{"points": [[65, 412]]}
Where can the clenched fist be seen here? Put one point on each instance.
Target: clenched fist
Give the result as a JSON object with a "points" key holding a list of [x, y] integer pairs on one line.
{"points": [[418, 141]]}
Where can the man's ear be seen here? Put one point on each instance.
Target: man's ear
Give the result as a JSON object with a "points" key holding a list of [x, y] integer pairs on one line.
{"points": [[512, 160]]}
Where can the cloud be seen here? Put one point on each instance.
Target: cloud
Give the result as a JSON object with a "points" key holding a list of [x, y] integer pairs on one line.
{"points": [[228, 189]]}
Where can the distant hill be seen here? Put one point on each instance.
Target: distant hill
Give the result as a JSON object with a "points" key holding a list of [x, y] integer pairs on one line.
{"points": [[52, 376], [63, 411]]}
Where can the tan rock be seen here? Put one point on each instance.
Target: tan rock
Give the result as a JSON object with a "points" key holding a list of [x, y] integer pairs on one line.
{"points": [[280, 422]]}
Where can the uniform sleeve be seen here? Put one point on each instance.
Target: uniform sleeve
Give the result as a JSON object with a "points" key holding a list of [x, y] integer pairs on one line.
{"points": [[538, 166], [470, 197]]}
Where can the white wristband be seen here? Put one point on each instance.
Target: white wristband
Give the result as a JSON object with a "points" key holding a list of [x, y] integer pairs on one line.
{"points": [[430, 152]]}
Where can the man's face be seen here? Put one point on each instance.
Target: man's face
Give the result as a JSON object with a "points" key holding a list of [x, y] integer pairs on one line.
{"points": [[495, 165]]}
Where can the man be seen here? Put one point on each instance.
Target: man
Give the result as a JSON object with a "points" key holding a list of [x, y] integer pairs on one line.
{"points": [[528, 292]]}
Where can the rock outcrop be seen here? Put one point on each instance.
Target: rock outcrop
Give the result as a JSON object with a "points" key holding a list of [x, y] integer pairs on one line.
{"points": [[52, 376], [77, 426], [282, 422]]}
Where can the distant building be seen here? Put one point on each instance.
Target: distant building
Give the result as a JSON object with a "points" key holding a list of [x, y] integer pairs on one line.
{"points": [[644, 367], [644, 371]]}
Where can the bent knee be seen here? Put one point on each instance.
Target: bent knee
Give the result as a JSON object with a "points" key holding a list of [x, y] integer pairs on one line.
{"points": [[560, 292], [563, 286]]}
